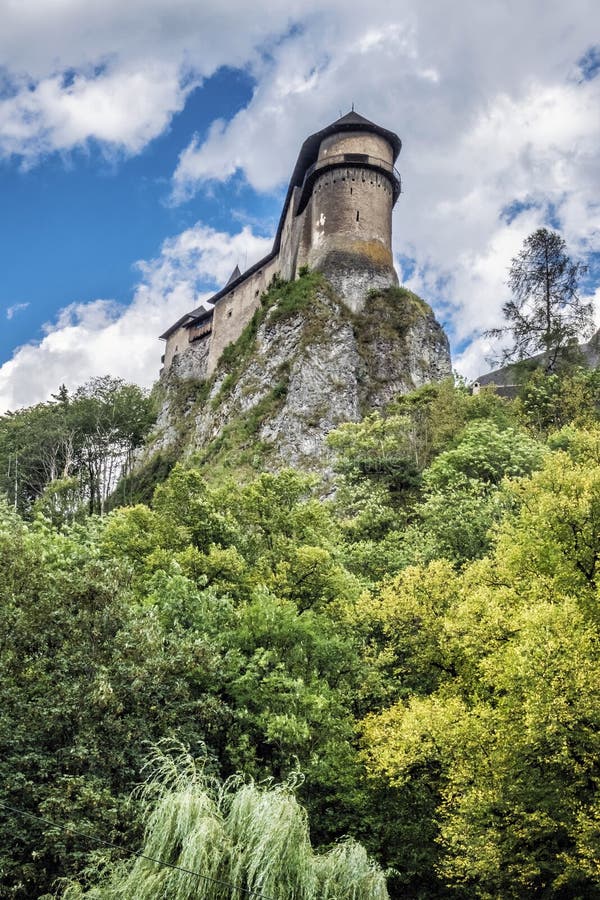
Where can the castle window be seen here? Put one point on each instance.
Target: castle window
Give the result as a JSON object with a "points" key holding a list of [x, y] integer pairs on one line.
{"points": [[357, 215], [229, 313]]}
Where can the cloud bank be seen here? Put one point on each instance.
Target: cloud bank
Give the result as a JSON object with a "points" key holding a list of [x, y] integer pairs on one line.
{"points": [[102, 337]]}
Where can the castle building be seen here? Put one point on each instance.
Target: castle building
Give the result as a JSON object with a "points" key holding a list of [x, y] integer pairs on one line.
{"points": [[337, 218]]}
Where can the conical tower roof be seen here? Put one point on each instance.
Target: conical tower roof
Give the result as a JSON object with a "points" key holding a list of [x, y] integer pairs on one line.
{"points": [[354, 118]]}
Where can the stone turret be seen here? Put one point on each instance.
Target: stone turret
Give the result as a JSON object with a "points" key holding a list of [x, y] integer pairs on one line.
{"points": [[347, 199], [337, 218]]}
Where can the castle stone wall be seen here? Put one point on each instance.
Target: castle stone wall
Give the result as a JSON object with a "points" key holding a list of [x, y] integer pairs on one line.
{"points": [[192, 361], [351, 226], [288, 264], [233, 311], [177, 342], [356, 142]]}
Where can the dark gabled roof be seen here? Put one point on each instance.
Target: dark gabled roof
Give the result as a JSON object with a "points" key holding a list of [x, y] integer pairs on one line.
{"points": [[309, 151], [507, 375], [204, 311], [234, 276]]}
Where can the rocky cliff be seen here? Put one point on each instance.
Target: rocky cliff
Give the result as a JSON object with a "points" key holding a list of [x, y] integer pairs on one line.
{"points": [[303, 365]]}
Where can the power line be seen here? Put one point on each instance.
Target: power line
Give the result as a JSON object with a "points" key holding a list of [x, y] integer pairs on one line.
{"points": [[160, 862]]}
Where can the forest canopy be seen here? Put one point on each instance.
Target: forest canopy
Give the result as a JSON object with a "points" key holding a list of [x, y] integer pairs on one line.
{"points": [[421, 645]]}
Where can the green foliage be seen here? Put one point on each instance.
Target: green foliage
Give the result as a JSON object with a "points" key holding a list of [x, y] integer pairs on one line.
{"points": [[138, 486], [510, 735], [379, 449], [485, 454], [549, 402], [61, 501], [242, 836], [287, 299], [412, 513], [394, 308], [185, 393], [546, 316], [422, 646], [87, 677], [393, 447], [35, 448], [237, 448], [90, 436], [461, 498]]}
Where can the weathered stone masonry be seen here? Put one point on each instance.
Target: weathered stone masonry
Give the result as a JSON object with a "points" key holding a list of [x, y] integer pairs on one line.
{"points": [[337, 218]]}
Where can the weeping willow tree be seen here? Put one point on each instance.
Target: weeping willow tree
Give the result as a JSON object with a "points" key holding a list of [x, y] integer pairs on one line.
{"points": [[242, 839]]}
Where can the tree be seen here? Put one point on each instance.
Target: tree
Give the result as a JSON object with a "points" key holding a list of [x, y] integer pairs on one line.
{"points": [[462, 497], [546, 315], [508, 741], [547, 403], [112, 419], [90, 436], [242, 838], [36, 447]]}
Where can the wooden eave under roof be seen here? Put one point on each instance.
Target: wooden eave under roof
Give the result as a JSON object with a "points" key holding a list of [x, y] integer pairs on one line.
{"points": [[194, 317]]}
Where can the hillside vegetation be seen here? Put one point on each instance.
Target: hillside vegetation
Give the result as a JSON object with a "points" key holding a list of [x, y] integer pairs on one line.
{"points": [[413, 663], [303, 365]]}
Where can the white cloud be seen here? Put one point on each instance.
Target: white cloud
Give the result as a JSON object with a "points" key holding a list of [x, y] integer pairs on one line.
{"points": [[102, 337], [116, 72], [123, 109], [537, 151], [11, 311]]}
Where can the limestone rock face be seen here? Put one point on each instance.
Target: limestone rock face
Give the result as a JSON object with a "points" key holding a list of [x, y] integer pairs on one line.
{"points": [[353, 277], [192, 363], [303, 366]]}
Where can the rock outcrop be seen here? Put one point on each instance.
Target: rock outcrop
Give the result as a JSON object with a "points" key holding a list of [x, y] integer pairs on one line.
{"points": [[304, 364]]}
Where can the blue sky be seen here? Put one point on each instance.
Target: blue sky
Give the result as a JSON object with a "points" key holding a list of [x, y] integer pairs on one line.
{"points": [[71, 229], [145, 150]]}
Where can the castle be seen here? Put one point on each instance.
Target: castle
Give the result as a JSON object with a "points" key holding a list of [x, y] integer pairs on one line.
{"points": [[337, 218]]}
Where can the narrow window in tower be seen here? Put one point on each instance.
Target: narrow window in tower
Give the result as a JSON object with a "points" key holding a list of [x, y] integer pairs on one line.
{"points": [[350, 190], [357, 215]]}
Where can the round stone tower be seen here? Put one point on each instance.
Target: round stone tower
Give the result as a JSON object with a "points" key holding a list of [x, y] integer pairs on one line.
{"points": [[347, 197]]}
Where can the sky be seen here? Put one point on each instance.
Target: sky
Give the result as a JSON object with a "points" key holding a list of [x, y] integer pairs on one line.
{"points": [[146, 147]]}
